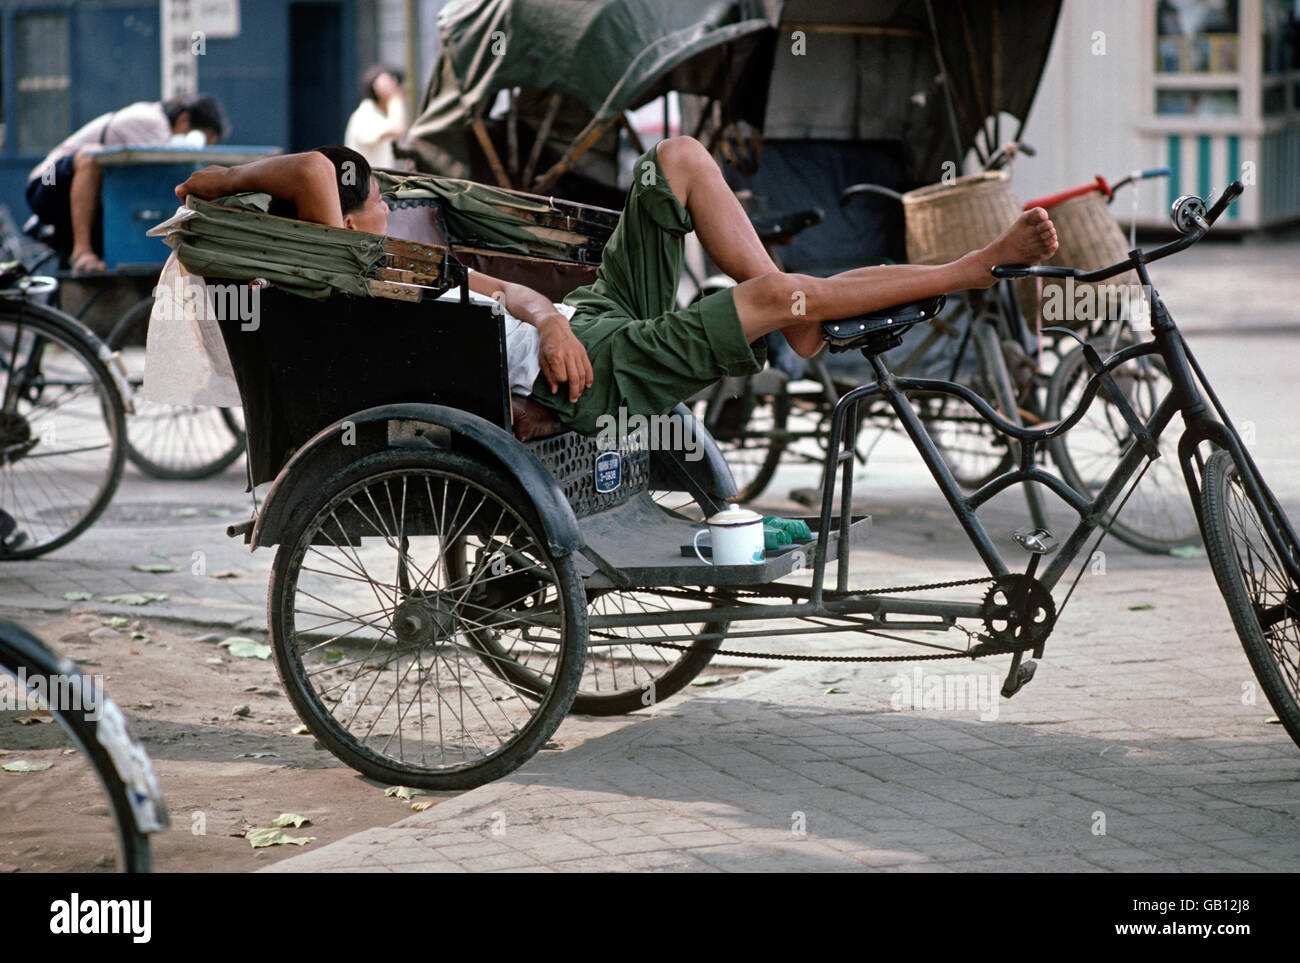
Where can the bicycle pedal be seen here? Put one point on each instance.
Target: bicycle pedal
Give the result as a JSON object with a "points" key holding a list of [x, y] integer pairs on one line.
{"points": [[1039, 541], [1018, 677]]}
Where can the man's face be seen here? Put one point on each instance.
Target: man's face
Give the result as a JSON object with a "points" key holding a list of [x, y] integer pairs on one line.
{"points": [[373, 216]]}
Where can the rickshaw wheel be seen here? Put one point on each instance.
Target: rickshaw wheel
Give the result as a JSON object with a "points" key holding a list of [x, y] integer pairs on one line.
{"points": [[380, 640], [625, 669], [171, 442]]}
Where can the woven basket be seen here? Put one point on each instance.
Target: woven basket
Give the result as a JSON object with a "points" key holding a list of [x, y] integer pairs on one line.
{"points": [[945, 221], [1089, 239]]}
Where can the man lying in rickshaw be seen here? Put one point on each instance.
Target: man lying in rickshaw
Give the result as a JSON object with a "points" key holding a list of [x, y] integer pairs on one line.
{"points": [[622, 342]]}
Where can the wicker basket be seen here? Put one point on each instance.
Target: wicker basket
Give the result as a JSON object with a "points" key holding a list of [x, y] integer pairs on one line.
{"points": [[945, 221], [1089, 239]]}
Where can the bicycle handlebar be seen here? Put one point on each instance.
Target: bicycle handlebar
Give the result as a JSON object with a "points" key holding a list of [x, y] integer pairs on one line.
{"points": [[1136, 257]]}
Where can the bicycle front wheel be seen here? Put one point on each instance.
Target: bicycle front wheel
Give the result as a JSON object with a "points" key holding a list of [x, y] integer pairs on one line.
{"points": [[43, 680], [1262, 599], [62, 430]]}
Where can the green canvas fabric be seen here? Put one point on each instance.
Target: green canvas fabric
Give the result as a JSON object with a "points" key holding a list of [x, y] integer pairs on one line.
{"points": [[607, 55], [234, 238], [475, 214]]}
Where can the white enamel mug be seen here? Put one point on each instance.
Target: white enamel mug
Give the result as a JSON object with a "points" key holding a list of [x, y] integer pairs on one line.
{"points": [[737, 537]]}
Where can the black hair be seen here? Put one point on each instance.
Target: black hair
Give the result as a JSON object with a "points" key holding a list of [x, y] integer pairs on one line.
{"points": [[353, 178], [206, 113], [373, 74]]}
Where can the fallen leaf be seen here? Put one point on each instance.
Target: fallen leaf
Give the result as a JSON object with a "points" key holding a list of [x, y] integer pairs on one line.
{"points": [[333, 655], [117, 622], [301, 731], [836, 690], [158, 568], [244, 648], [140, 636], [225, 575], [1273, 720], [78, 596], [136, 598], [34, 719], [259, 755], [275, 837], [404, 792], [1188, 551], [187, 512], [1141, 608], [420, 805], [22, 765], [290, 819], [708, 680]]}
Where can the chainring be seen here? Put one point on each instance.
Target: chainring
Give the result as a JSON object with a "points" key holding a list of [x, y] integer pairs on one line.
{"points": [[1018, 613]]}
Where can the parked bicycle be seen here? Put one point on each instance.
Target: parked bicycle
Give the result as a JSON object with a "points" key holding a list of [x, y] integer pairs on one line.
{"points": [[42, 680], [62, 420]]}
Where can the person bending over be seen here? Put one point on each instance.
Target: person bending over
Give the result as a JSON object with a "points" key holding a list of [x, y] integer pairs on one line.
{"points": [[627, 344], [63, 189]]}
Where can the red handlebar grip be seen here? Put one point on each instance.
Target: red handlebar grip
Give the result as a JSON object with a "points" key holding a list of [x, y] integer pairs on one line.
{"points": [[1051, 200]]}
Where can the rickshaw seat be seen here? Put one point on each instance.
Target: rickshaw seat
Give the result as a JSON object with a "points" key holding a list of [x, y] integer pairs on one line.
{"points": [[880, 330]]}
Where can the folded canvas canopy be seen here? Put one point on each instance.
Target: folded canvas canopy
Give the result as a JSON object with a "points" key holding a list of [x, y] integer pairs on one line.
{"points": [[594, 59], [927, 74]]}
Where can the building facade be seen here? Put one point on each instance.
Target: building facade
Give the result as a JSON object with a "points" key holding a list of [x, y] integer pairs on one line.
{"points": [[1209, 88]]}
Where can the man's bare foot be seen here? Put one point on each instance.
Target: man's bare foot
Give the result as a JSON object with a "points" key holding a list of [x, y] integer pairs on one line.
{"points": [[531, 420], [1030, 240]]}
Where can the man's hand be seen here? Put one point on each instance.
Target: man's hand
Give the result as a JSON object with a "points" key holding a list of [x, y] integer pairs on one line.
{"points": [[207, 183], [563, 358]]}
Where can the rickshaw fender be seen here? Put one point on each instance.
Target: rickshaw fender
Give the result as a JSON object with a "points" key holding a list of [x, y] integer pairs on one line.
{"points": [[414, 425], [709, 471]]}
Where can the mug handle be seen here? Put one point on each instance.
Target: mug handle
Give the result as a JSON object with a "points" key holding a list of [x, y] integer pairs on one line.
{"points": [[696, 543]]}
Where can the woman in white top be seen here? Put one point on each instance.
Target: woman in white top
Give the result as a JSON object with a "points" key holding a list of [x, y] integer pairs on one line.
{"points": [[381, 117]]}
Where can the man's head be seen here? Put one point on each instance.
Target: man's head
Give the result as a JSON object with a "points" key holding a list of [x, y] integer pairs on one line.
{"points": [[359, 199], [200, 112]]}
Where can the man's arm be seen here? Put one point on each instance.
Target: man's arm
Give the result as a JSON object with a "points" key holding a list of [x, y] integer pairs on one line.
{"points": [[561, 355], [305, 179]]}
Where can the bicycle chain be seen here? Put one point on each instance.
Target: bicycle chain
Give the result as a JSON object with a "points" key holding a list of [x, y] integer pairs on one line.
{"points": [[774, 592]]}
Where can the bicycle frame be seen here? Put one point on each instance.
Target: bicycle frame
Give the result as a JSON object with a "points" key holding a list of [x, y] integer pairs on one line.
{"points": [[1184, 397]]}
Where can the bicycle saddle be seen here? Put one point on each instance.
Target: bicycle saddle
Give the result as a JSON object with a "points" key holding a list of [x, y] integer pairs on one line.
{"points": [[781, 226], [880, 330], [10, 273]]}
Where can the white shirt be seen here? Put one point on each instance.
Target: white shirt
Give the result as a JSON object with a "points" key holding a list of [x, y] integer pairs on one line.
{"points": [[366, 128], [522, 343], [143, 123]]}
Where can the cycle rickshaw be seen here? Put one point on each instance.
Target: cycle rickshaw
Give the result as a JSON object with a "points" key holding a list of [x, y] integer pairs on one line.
{"points": [[442, 594]]}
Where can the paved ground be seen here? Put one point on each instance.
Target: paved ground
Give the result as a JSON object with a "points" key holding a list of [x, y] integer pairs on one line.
{"points": [[1141, 744]]}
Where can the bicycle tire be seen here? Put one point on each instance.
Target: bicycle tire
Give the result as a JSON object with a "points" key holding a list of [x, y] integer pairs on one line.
{"points": [[100, 731], [761, 455], [1158, 517], [445, 624], [54, 374], [1254, 585], [180, 431]]}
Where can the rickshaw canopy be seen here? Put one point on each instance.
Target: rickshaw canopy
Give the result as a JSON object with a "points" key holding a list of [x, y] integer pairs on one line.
{"points": [[607, 56]]}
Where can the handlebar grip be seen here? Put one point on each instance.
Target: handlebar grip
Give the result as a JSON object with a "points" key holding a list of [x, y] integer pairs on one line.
{"points": [[1230, 194], [1034, 271], [1156, 172]]}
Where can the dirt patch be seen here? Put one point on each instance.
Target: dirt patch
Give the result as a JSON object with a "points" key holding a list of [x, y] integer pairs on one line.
{"points": [[221, 773]]}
